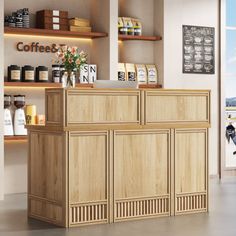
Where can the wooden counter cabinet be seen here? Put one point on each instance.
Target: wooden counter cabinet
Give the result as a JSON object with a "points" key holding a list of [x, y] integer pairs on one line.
{"points": [[113, 155]]}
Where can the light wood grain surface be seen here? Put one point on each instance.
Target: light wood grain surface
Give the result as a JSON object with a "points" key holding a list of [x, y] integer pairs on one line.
{"points": [[114, 155]]}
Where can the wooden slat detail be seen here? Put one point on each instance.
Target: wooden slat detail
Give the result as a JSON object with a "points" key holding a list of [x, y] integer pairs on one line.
{"points": [[190, 203], [88, 213], [135, 208]]}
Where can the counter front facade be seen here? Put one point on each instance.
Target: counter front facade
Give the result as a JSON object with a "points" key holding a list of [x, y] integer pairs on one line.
{"points": [[114, 155]]}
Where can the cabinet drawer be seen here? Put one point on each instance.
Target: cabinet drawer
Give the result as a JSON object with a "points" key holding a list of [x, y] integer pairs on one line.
{"points": [[176, 106]]}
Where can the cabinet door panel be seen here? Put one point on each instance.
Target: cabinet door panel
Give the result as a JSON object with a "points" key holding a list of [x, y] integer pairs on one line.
{"points": [[141, 173], [47, 178], [84, 107], [88, 159], [179, 106], [191, 175]]}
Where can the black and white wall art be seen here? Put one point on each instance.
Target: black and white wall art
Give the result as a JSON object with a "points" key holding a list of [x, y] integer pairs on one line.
{"points": [[198, 49]]}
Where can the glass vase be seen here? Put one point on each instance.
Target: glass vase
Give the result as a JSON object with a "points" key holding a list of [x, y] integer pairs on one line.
{"points": [[68, 79]]}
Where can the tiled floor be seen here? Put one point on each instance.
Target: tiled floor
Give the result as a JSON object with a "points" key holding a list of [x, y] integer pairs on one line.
{"points": [[221, 221]]}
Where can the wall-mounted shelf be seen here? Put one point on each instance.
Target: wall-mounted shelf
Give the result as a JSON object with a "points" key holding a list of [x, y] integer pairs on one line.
{"points": [[41, 85], [53, 33], [15, 138], [150, 86], [57, 85], [142, 37]]}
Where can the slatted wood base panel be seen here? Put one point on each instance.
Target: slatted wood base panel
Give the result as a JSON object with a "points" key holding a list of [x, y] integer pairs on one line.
{"points": [[190, 203], [137, 208], [88, 213]]}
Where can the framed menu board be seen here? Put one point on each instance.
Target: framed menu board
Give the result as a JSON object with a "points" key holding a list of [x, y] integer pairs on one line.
{"points": [[198, 49]]}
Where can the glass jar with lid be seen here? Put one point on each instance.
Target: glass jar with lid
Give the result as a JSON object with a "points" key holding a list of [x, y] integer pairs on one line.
{"points": [[56, 73], [28, 74], [14, 73], [42, 74]]}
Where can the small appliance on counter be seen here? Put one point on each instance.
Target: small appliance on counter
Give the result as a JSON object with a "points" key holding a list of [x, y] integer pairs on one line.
{"points": [[19, 118], [8, 127]]}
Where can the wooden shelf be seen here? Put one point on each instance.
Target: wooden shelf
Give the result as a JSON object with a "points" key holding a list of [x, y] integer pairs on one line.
{"points": [[53, 33], [15, 138], [57, 85], [142, 37], [150, 86], [41, 85]]}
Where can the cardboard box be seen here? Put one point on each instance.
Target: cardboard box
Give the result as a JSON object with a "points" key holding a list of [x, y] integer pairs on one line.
{"points": [[79, 22], [51, 13], [52, 20], [80, 29]]}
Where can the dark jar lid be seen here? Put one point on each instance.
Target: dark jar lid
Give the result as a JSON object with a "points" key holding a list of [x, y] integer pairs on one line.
{"points": [[19, 97], [7, 96], [42, 68], [28, 67], [55, 65], [14, 67]]}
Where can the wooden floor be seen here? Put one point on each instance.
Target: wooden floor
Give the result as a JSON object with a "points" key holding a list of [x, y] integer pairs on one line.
{"points": [[220, 221]]}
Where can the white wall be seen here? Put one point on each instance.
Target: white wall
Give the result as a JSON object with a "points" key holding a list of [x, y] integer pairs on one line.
{"points": [[1, 102], [192, 12]]}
